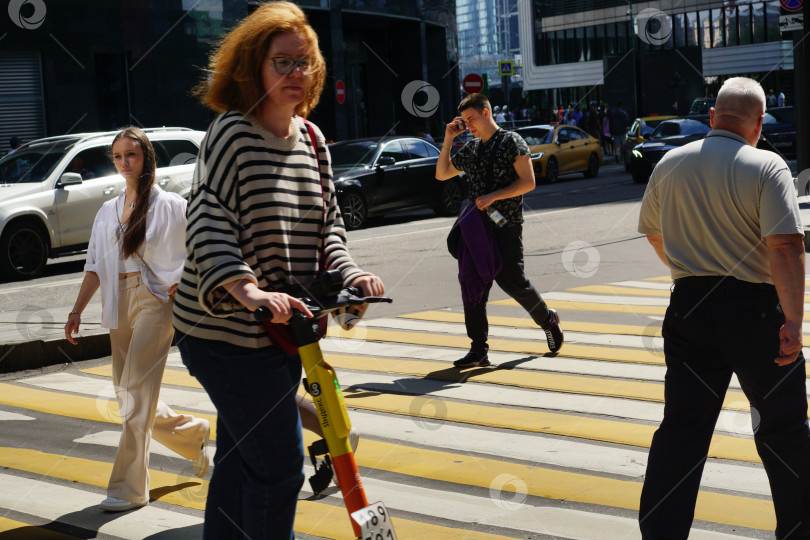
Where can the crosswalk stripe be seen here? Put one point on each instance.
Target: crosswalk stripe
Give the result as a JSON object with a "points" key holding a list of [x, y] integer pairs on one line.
{"points": [[421, 463], [607, 299], [735, 401], [663, 279], [500, 509], [524, 334], [632, 291], [644, 285], [620, 432], [30, 531], [566, 305], [619, 290], [5, 415], [527, 322], [98, 410], [591, 306], [56, 502], [361, 332], [313, 518]]}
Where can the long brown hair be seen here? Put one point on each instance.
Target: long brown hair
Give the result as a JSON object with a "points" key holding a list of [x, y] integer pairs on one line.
{"points": [[135, 232], [236, 66]]}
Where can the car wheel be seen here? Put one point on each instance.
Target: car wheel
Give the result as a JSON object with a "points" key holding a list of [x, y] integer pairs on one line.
{"points": [[593, 167], [23, 251], [450, 198], [354, 210], [552, 171], [639, 177]]}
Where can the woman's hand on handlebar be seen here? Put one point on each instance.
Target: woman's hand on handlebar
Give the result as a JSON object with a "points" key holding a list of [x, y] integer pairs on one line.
{"points": [[370, 284], [281, 305]]}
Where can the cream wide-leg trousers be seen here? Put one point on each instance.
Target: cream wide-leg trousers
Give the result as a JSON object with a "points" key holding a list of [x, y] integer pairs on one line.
{"points": [[140, 347]]}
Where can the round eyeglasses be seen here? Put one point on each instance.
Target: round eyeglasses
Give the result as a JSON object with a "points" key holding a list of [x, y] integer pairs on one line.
{"points": [[285, 65]]}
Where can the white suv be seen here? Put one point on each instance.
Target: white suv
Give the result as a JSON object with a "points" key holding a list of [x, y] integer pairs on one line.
{"points": [[51, 190]]}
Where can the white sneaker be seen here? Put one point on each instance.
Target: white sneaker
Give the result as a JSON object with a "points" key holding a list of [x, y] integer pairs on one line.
{"points": [[113, 504], [200, 463]]}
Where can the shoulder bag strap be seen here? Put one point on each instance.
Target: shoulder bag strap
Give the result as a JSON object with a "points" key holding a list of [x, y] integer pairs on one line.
{"points": [[313, 140]]}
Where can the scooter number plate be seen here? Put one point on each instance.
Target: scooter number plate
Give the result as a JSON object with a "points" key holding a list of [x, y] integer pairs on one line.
{"points": [[375, 522]]}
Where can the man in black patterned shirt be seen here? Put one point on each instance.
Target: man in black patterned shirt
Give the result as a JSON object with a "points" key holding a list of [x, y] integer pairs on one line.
{"points": [[499, 172]]}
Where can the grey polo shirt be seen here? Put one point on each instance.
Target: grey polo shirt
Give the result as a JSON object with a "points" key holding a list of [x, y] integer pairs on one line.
{"points": [[714, 201]]}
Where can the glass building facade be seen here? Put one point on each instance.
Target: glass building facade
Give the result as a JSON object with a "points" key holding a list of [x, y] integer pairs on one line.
{"points": [[655, 64], [487, 34], [137, 62]]}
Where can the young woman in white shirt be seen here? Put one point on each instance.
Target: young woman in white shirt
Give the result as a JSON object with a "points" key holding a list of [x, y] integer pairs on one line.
{"points": [[135, 256]]}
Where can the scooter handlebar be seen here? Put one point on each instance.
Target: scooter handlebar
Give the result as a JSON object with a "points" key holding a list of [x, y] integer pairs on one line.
{"points": [[349, 296]]}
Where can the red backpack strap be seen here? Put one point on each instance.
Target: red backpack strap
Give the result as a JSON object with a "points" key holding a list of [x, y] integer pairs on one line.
{"points": [[314, 142]]}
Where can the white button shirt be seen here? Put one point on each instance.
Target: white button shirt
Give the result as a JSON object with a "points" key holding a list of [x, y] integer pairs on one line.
{"points": [[163, 250]]}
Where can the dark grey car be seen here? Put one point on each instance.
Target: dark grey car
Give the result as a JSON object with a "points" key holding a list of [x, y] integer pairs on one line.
{"points": [[374, 177]]}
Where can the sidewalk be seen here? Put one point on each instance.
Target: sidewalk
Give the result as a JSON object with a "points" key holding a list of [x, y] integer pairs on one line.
{"points": [[34, 337]]}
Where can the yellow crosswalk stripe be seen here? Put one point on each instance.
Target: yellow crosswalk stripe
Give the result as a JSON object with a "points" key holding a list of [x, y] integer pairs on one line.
{"points": [[665, 279], [418, 462], [17, 530], [620, 290], [539, 347], [629, 433], [314, 518], [554, 382], [566, 305], [527, 322], [96, 409]]}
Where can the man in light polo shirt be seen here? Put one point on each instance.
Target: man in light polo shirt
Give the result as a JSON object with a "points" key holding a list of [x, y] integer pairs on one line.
{"points": [[723, 216]]}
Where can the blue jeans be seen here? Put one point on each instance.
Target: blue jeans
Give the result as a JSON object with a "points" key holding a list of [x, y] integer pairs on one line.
{"points": [[258, 465], [712, 330]]}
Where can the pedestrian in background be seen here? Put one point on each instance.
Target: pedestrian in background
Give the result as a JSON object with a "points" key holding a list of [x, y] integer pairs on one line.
{"points": [[135, 256], [619, 123], [499, 171], [262, 215], [723, 216], [592, 125], [14, 143], [607, 137]]}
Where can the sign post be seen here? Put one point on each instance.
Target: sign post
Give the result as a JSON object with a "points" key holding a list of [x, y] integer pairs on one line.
{"points": [[473, 83], [340, 92]]}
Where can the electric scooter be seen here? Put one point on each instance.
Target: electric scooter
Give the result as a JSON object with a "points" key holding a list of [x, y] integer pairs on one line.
{"points": [[324, 296]]}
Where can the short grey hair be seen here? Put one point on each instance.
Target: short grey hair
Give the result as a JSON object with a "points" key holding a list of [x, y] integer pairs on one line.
{"points": [[740, 100]]}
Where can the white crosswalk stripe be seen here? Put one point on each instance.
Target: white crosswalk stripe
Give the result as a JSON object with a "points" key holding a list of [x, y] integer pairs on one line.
{"points": [[506, 506]]}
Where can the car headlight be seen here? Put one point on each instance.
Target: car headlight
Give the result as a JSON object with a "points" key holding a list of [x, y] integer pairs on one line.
{"points": [[538, 155], [637, 154]]}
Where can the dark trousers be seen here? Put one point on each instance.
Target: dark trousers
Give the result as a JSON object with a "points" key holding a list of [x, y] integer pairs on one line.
{"points": [[513, 282], [258, 465], [712, 329]]}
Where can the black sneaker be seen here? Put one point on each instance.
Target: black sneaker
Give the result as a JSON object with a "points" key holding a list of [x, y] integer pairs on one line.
{"points": [[473, 359], [554, 334]]}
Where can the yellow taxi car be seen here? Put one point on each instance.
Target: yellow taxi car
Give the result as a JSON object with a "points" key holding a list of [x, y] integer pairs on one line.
{"points": [[561, 149], [638, 133]]}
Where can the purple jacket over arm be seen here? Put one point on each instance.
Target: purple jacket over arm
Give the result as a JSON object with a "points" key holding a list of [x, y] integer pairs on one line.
{"points": [[479, 259]]}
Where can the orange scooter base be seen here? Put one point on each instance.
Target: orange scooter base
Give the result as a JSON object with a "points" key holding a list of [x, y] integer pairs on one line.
{"points": [[354, 496]]}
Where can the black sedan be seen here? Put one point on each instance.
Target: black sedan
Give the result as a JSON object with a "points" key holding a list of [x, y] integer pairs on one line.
{"points": [[374, 177], [779, 132], [668, 135]]}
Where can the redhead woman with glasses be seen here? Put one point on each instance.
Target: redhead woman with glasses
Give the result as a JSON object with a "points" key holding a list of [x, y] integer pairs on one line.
{"points": [[262, 215]]}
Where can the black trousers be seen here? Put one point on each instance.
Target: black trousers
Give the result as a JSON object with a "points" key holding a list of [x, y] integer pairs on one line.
{"points": [[513, 282], [712, 329]]}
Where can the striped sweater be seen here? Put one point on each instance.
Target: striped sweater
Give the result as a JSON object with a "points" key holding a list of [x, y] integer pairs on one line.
{"points": [[256, 211]]}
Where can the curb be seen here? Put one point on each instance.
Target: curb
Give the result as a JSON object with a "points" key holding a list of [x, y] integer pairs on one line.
{"points": [[26, 355]]}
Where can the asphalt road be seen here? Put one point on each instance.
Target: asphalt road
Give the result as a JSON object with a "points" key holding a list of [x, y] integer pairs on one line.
{"points": [[574, 222]]}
